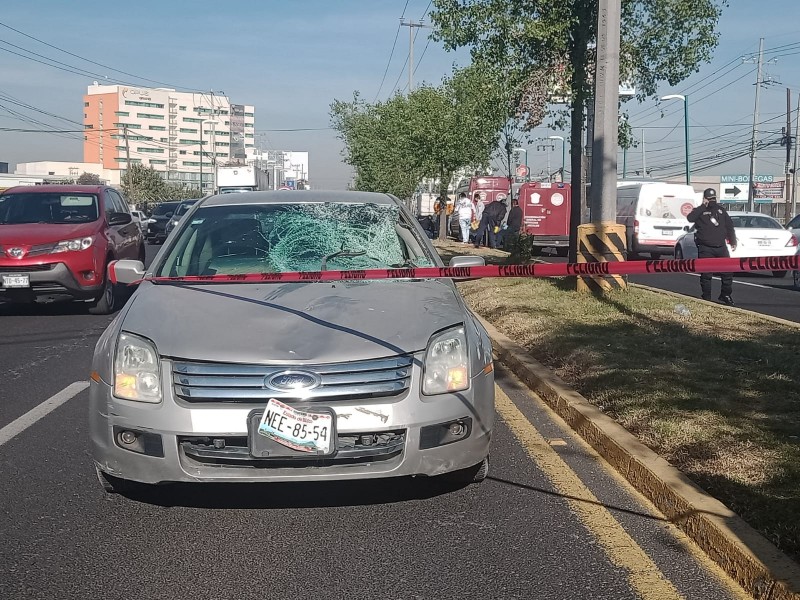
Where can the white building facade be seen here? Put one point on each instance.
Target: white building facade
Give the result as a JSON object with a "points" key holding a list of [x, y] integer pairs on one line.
{"points": [[181, 134]]}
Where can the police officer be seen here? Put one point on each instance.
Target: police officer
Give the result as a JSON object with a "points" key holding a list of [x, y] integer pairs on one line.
{"points": [[713, 228]]}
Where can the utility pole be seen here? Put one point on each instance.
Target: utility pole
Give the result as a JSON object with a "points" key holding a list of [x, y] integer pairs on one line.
{"points": [[794, 164], [787, 215], [130, 177], [754, 138], [644, 155], [411, 26]]}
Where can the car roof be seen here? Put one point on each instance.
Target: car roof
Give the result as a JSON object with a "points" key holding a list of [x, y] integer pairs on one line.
{"points": [[49, 189], [300, 196], [746, 213]]}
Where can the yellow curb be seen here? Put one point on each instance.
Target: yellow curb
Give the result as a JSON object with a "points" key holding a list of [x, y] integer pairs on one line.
{"points": [[744, 311], [743, 553]]}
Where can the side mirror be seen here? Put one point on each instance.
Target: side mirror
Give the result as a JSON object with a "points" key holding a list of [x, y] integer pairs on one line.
{"points": [[119, 218], [125, 272], [466, 261]]}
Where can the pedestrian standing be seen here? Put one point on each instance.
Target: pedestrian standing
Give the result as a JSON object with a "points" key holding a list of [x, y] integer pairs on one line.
{"points": [[465, 215], [713, 233], [513, 225], [490, 221]]}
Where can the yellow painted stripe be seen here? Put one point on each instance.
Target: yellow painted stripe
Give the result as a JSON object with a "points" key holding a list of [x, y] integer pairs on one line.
{"points": [[644, 576]]}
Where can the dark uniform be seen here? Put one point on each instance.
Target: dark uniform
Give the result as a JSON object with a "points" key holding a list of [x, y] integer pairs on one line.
{"points": [[713, 227], [492, 217], [514, 224]]}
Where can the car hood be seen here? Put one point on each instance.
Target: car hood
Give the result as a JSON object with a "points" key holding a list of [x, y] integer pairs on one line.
{"points": [[35, 234], [292, 323]]}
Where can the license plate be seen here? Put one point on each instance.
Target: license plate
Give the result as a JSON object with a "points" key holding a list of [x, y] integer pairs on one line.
{"points": [[300, 431], [764, 243], [16, 281]]}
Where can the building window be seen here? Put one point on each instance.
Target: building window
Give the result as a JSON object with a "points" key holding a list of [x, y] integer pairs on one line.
{"points": [[181, 108], [195, 142], [249, 124], [133, 160], [163, 140], [181, 151], [154, 161], [156, 127], [147, 104], [247, 114], [149, 116], [86, 104], [122, 113], [128, 125], [249, 145], [191, 120], [88, 126], [222, 154], [186, 130], [222, 144], [120, 147], [248, 135], [151, 150]]}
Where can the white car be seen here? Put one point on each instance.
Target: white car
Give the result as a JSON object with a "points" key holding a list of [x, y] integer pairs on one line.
{"points": [[140, 219], [756, 235]]}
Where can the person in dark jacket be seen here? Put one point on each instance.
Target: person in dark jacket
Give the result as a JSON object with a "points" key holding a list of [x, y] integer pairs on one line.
{"points": [[713, 228], [513, 225], [492, 218]]}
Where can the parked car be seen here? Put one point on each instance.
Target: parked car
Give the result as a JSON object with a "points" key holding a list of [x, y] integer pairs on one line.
{"points": [[270, 381], [182, 209], [157, 223], [140, 219], [57, 240], [756, 235]]}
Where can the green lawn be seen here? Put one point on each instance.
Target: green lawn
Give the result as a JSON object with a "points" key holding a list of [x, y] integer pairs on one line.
{"points": [[715, 393]]}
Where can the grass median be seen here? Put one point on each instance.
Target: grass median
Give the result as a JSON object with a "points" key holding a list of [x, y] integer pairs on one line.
{"points": [[717, 393]]}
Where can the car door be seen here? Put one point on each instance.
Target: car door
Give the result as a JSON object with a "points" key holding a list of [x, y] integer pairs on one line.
{"points": [[127, 236]]}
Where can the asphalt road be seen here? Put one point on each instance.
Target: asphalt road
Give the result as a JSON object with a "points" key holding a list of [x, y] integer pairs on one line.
{"points": [[551, 521], [756, 291]]}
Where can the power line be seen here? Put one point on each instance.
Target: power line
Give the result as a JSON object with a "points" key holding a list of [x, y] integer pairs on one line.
{"points": [[391, 54], [90, 60]]}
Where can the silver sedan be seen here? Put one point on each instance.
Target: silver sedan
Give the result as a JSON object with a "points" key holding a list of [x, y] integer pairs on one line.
{"points": [[200, 381]]}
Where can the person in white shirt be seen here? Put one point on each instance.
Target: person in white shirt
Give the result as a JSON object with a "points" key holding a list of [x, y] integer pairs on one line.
{"points": [[465, 215]]}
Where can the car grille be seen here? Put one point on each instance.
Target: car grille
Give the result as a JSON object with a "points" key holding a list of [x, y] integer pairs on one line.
{"points": [[26, 268], [223, 382]]}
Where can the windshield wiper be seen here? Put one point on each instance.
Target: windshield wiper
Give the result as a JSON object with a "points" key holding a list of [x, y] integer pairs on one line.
{"points": [[340, 254]]}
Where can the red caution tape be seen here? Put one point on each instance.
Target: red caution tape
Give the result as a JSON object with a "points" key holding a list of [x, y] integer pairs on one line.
{"points": [[694, 265]]}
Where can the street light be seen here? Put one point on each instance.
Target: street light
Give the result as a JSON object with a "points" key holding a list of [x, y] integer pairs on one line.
{"points": [[685, 129], [563, 152]]}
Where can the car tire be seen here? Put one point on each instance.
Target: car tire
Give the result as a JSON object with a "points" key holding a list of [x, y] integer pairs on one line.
{"points": [[796, 279], [473, 474], [111, 484], [780, 274], [107, 302]]}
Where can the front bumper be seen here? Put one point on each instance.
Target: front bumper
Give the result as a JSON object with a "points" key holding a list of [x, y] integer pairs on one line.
{"points": [[49, 279], [180, 426]]}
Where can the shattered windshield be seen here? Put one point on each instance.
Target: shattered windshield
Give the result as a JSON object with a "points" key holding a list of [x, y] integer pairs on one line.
{"points": [[280, 238]]}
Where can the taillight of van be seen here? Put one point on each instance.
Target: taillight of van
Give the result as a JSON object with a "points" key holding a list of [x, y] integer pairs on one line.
{"points": [[636, 228]]}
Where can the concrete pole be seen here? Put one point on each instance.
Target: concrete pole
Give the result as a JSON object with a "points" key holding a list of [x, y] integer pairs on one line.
{"points": [[794, 164], [603, 195], [751, 185]]}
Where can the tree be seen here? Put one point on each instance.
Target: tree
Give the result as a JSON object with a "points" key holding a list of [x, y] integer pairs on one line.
{"points": [[433, 132], [660, 42], [88, 179], [145, 187]]}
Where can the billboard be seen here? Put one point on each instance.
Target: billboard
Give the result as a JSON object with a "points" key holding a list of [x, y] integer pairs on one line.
{"points": [[237, 133]]}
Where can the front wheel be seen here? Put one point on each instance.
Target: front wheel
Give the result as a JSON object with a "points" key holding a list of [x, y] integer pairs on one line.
{"points": [[779, 274], [107, 301], [473, 474]]}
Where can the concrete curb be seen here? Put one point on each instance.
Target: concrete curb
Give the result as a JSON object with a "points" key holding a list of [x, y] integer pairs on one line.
{"points": [[744, 311], [745, 555]]}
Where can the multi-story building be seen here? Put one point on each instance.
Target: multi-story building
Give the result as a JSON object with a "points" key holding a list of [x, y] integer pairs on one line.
{"points": [[181, 134]]}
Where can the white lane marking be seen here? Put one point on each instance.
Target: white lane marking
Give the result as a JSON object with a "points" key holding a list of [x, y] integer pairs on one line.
{"points": [[19, 425]]}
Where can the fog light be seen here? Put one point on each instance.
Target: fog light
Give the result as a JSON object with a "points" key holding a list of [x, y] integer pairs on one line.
{"points": [[457, 429], [444, 433], [140, 442], [127, 437], [88, 275]]}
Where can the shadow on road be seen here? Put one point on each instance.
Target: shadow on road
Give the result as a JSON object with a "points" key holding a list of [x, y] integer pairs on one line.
{"points": [[292, 495]]}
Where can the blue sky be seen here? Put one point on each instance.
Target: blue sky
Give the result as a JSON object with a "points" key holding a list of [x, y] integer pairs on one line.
{"points": [[291, 59]]}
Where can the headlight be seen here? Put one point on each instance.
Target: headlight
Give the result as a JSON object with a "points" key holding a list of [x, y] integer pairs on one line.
{"points": [[71, 245], [137, 369], [446, 367]]}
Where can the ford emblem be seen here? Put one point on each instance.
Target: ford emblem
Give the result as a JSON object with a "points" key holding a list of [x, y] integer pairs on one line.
{"points": [[291, 381]]}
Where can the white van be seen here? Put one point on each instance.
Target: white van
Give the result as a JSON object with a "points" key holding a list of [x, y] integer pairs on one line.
{"points": [[654, 214]]}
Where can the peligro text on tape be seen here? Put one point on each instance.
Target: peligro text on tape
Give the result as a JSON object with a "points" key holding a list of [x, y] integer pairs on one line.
{"points": [[692, 265]]}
